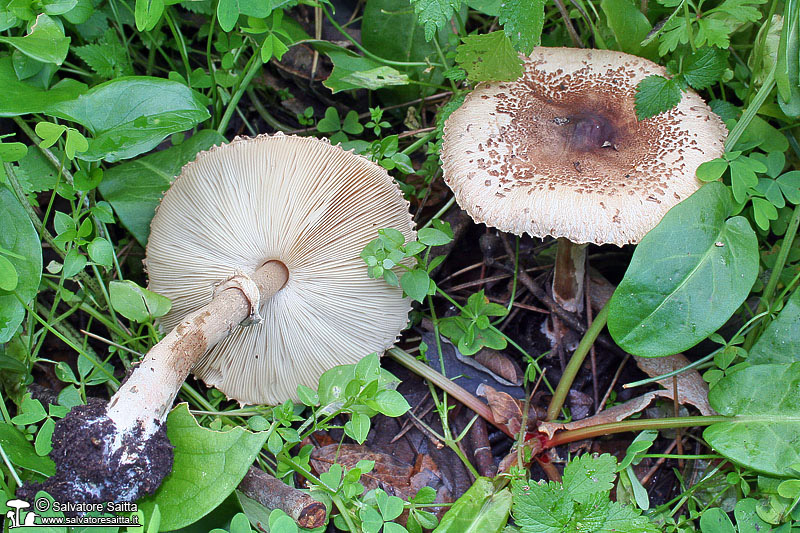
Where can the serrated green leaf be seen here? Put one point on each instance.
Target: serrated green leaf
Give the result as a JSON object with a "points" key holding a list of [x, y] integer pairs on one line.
{"points": [[489, 57], [705, 67], [522, 22], [656, 94], [434, 14], [586, 476]]}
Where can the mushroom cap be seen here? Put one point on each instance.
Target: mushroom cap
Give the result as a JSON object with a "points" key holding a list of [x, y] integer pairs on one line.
{"points": [[305, 203], [561, 152]]}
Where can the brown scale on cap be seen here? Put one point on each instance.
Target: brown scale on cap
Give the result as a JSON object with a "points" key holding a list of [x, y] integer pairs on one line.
{"points": [[561, 152]]}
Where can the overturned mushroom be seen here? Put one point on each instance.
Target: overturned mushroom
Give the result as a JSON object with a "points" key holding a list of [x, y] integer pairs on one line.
{"points": [[561, 152], [265, 232]]}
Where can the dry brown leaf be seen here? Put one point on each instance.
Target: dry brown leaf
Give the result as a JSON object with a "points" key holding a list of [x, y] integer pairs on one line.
{"points": [[390, 474], [505, 408], [691, 387], [607, 416]]}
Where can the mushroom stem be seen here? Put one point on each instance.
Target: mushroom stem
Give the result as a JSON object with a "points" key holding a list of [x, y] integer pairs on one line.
{"points": [[569, 273], [147, 395]]}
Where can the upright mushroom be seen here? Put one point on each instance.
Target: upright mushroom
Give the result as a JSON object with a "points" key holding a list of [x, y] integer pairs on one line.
{"points": [[561, 152], [265, 232]]}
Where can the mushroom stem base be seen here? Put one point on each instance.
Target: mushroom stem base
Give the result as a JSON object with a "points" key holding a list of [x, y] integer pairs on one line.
{"points": [[146, 396], [569, 274]]}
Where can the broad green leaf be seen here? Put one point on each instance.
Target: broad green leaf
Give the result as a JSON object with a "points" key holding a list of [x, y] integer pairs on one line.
{"points": [[21, 98], [147, 13], [135, 188], [765, 432], [357, 428], [137, 303], [45, 42], [352, 71], [101, 252], [712, 170], [479, 510], [522, 22], [391, 403], [416, 283], [20, 238], [228, 11], [489, 57], [31, 411], [433, 237], [131, 115], [208, 466], [44, 438], [780, 342], [390, 30], [630, 27], [8, 275], [747, 519], [688, 275], [715, 520], [21, 453]]}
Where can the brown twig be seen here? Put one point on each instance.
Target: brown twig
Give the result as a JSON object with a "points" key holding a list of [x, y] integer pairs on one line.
{"points": [[273, 493], [482, 451], [576, 40], [602, 403]]}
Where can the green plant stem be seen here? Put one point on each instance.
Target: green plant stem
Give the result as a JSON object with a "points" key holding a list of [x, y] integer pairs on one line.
{"points": [[775, 275], [752, 109], [411, 148], [176, 33], [262, 111], [440, 212], [573, 435], [253, 67], [366, 52], [456, 391], [575, 362], [112, 380]]}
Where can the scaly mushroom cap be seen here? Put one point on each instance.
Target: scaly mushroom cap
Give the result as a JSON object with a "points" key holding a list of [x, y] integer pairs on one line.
{"points": [[305, 203], [560, 151]]}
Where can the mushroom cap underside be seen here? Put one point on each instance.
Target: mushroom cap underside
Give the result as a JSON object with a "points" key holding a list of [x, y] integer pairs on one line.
{"points": [[305, 203], [561, 152]]}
